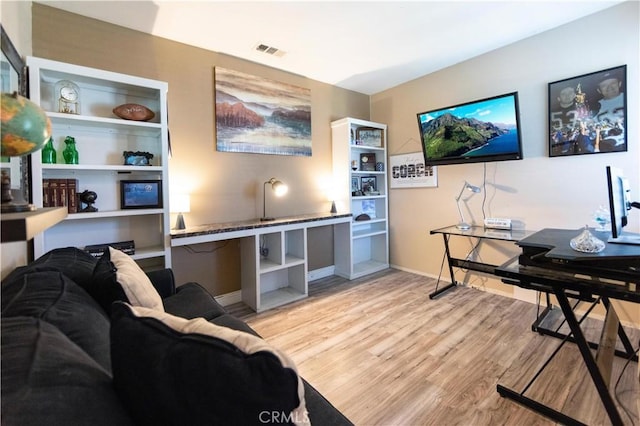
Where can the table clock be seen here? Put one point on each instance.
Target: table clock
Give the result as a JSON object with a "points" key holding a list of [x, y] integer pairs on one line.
{"points": [[68, 94]]}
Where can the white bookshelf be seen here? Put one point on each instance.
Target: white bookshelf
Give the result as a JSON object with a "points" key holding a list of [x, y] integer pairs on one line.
{"points": [[362, 246], [101, 139]]}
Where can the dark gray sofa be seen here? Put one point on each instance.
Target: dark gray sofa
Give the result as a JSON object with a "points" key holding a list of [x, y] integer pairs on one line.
{"points": [[57, 354]]}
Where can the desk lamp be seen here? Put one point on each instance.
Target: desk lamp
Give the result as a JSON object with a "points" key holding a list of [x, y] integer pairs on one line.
{"points": [[180, 203], [463, 225], [278, 188]]}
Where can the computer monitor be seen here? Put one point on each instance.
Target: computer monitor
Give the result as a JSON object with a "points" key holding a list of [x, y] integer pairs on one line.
{"points": [[619, 204]]}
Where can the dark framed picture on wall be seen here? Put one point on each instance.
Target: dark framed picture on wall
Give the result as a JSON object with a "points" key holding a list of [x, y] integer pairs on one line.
{"points": [[140, 194], [588, 113]]}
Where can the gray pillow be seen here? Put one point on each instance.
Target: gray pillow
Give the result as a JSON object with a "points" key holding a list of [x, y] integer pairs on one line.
{"points": [[49, 380], [170, 370], [52, 297]]}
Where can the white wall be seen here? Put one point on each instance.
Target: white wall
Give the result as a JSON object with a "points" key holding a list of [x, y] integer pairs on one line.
{"points": [[538, 192], [16, 20]]}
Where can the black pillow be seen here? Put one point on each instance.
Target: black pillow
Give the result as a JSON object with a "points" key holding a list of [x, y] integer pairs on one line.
{"points": [[117, 277], [73, 262], [104, 287], [48, 380], [54, 298], [191, 300], [170, 370]]}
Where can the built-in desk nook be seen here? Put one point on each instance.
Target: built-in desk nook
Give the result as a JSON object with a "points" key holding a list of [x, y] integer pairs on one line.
{"points": [[273, 254]]}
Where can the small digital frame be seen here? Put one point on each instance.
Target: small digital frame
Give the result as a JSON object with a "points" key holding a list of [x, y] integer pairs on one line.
{"points": [[140, 194]]}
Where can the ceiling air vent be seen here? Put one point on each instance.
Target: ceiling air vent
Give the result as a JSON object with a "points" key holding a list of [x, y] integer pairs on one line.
{"points": [[270, 50]]}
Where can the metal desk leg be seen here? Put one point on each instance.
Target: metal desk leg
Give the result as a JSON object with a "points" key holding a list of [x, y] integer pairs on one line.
{"points": [[598, 381], [542, 316], [538, 407], [453, 281]]}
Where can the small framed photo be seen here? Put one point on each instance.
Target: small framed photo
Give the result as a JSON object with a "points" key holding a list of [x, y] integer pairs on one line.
{"points": [[369, 208], [369, 185], [140, 194], [369, 136], [367, 162], [588, 113], [355, 184]]}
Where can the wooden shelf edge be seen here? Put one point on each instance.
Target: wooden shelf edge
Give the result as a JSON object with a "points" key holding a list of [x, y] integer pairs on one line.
{"points": [[24, 226]]}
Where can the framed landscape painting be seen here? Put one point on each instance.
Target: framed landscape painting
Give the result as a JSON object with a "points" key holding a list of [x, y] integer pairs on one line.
{"points": [[588, 113], [261, 116]]}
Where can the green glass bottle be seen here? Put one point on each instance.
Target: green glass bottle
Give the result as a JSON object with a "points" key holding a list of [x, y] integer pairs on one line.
{"points": [[70, 152], [49, 153]]}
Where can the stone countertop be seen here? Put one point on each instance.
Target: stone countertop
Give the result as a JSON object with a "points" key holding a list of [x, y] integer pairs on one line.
{"points": [[215, 228]]}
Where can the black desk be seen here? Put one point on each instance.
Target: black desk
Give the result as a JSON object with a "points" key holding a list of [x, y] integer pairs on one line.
{"points": [[569, 274], [480, 233]]}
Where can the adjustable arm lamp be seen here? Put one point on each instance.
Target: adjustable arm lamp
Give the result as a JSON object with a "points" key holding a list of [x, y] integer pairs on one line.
{"points": [[463, 225], [278, 188]]}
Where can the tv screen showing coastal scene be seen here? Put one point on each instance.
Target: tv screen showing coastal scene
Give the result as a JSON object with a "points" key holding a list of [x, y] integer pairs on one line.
{"points": [[478, 131]]}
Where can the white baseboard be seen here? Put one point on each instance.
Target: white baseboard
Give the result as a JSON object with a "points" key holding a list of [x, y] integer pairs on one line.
{"points": [[316, 274], [229, 298], [413, 271]]}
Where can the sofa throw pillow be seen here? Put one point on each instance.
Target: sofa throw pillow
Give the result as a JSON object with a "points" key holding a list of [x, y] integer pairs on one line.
{"points": [[52, 297], [48, 380], [71, 261], [117, 277], [172, 370]]}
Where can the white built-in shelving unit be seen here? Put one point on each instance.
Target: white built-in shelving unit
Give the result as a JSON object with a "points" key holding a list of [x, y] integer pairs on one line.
{"points": [[362, 246], [101, 139]]}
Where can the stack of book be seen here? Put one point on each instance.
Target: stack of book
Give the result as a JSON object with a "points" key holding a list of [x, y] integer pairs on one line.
{"points": [[60, 193]]}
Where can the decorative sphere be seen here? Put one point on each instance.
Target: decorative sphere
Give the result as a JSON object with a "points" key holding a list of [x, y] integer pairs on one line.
{"points": [[25, 126]]}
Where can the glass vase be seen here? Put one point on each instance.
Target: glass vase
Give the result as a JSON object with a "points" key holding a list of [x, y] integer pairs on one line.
{"points": [[49, 153], [70, 152]]}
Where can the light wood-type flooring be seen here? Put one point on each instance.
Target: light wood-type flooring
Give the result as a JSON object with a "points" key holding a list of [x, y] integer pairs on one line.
{"points": [[385, 354]]}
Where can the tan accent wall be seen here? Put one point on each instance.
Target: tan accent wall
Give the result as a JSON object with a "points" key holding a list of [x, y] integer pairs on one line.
{"points": [[537, 192], [223, 186]]}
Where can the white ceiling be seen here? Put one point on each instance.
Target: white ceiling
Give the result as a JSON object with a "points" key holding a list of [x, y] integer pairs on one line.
{"points": [[365, 46]]}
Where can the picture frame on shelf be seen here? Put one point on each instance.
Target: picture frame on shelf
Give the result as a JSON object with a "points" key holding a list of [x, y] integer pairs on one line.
{"points": [[355, 185], [141, 194], [137, 158], [369, 136], [369, 208], [369, 185], [588, 113], [367, 162]]}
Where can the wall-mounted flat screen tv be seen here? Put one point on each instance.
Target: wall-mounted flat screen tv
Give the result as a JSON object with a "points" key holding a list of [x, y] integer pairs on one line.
{"points": [[479, 131]]}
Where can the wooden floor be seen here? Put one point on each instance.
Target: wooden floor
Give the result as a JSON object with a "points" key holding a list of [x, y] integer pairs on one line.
{"points": [[385, 354]]}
